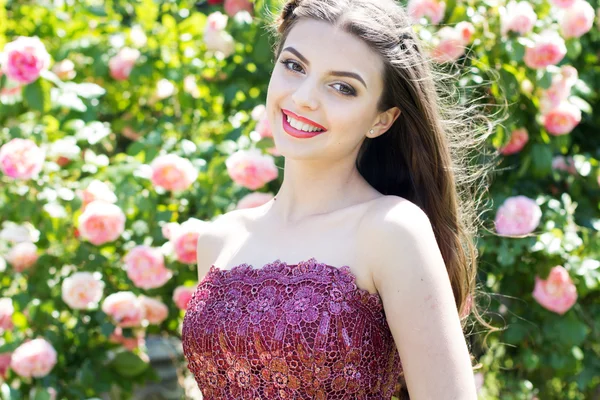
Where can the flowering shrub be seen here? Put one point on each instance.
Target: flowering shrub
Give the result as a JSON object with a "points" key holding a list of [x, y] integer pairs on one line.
{"points": [[127, 126]]}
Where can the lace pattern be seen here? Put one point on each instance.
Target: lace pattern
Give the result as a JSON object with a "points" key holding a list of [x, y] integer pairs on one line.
{"points": [[301, 331]]}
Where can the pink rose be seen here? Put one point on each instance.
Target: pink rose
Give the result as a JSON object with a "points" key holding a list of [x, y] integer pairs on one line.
{"points": [[251, 169], [6, 313], [96, 190], [155, 310], [517, 17], [101, 222], [168, 229], [82, 290], [22, 256], [182, 296], [172, 172], [562, 163], [254, 199], [124, 308], [130, 343], [215, 37], [25, 58], [560, 89], [65, 70], [562, 3], [232, 7], [466, 30], [518, 140], [449, 45], [557, 293], [4, 364], [577, 20], [548, 49], [35, 358], [562, 119], [263, 127], [21, 159], [517, 216], [432, 9], [122, 63], [145, 267], [185, 240]]}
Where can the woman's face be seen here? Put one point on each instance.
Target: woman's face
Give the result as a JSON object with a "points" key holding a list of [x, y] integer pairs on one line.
{"points": [[333, 80]]}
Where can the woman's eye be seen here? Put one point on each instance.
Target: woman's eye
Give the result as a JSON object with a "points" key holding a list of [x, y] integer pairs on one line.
{"points": [[345, 89], [291, 65]]}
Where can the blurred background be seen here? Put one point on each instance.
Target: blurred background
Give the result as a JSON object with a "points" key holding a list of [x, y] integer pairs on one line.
{"points": [[125, 125]]}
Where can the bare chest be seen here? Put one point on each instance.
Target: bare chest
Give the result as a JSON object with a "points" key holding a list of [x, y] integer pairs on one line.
{"points": [[335, 242]]}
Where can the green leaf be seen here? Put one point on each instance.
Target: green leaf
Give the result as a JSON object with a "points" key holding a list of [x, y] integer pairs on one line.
{"points": [[573, 48], [541, 164], [128, 364], [36, 96], [41, 394]]}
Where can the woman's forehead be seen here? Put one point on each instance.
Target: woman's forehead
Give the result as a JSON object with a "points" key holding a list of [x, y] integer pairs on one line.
{"points": [[331, 48]]}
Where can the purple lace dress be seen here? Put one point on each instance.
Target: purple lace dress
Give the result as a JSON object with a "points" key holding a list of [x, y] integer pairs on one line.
{"points": [[302, 331]]}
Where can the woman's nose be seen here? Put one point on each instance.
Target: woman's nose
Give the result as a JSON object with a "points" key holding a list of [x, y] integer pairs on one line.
{"points": [[306, 95]]}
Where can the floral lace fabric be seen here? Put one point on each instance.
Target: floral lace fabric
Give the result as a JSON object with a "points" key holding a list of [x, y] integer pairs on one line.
{"points": [[302, 331]]}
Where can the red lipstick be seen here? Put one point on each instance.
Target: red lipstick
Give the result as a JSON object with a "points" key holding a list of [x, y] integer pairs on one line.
{"points": [[297, 132]]}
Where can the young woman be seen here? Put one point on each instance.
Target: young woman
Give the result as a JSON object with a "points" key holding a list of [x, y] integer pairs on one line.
{"points": [[352, 282]]}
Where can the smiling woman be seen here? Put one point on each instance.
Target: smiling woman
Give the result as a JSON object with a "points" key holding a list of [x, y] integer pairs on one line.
{"points": [[374, 222]]}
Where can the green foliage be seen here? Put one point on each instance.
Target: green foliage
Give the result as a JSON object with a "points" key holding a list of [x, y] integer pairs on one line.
{"points": [[121, 126]]}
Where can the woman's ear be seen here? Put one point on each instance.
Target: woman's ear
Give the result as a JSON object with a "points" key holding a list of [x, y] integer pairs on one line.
{"points": [[383, 122]]}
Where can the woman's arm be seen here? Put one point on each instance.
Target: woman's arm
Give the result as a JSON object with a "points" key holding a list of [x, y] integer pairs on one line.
{"points": [[410, 275]]}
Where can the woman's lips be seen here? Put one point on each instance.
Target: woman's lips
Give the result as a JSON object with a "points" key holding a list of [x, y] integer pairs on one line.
{"points": [[297, 133], [303, 119]]}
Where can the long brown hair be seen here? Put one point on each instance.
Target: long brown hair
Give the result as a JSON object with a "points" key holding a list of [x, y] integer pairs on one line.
{"points": [[427, 154]]}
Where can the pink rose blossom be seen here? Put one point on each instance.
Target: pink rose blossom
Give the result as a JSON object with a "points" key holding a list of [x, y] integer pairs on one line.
{"points": [[517, 17], [449, 45], [556, 293], [466, 30], [232, 7], [548, 49], [124, 308], [251, 169], [22, 256], [82, 290], [560, 89], [562, 3], [517, 216], [4, 364], [35, 358], [24, 59], [96, 190], [562, 119], [185, 240], [172, 172], [155, 310], [216, 37], [101, 222], [65, 70], [168, 229], [130, 343], [182, 296], [122, 63], [145, 267], [21, 159], [518, 140], [6, 313], [577, 20], [254, 199], [562, 163], [263, 127], [432, 9]]}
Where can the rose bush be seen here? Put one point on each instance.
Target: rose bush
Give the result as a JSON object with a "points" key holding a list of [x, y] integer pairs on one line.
{"points": [[125, 127]]}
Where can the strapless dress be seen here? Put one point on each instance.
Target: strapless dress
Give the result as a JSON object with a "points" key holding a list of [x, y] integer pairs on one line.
{"points": [[283, 331]]}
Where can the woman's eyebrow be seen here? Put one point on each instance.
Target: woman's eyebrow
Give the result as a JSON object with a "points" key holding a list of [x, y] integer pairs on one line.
{"points": [[334, 73]]}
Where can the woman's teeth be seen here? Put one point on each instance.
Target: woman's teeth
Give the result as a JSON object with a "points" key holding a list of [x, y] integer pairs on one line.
{"points": [[302, 126]]}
